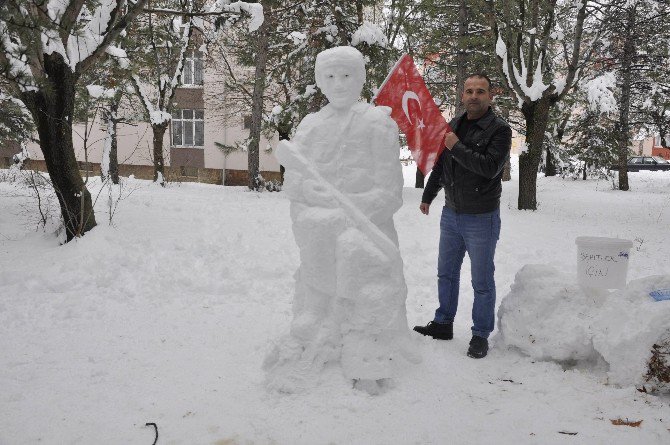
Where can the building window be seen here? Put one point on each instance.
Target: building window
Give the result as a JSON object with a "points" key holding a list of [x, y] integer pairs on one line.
{"points": [[247, 122], [188, 128], [192, 68]]}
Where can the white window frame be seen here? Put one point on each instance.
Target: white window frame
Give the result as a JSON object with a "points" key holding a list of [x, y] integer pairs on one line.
{"points": [[182, 119], [193, 65]]}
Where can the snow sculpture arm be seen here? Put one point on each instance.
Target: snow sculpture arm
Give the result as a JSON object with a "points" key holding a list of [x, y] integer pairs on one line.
{"points": [[295, 185]]}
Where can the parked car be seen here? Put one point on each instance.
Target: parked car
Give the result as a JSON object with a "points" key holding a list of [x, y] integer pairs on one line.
{"points": [[637, 163]]}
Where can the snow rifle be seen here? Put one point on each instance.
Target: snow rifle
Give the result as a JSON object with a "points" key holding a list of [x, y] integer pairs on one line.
{"points": [[290, 157]]}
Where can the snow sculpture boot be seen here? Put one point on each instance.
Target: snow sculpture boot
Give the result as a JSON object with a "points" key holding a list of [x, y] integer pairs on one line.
{"points": [[479, 346], [439, 331]]}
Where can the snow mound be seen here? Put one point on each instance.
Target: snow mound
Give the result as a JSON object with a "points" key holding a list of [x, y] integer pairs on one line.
{"points": [[548, 316]]}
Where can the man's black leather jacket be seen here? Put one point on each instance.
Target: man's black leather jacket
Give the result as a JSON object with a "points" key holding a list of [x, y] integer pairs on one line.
{"points": [[471, 172]]}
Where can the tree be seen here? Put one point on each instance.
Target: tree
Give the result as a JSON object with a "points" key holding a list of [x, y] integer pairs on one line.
{"points": [[650, 104], [540, 51], [593, 142], [158, 51], [16, 123], [653, 111], [44, 50], [636, 48]]}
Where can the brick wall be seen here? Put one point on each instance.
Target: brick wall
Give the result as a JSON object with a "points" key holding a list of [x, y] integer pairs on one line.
{"points": [[662, 152]]}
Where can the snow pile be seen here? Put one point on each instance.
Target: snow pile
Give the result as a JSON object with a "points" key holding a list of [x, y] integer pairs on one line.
{"points": [[166, 316], [600, 93], [369, 33], [549, 317]]}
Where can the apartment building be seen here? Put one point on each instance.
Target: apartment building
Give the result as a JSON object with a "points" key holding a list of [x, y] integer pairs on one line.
{"points": [[192, 144]]}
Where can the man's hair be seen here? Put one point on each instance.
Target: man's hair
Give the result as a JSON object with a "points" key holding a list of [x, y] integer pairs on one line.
{"points": [[481, 76]]}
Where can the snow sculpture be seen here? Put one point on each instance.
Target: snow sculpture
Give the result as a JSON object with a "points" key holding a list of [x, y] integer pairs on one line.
{"points": [[345, 183], [548, 316]]}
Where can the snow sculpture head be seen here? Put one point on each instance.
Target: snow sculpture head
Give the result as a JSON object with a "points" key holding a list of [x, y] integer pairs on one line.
{"points": [[340, 74]]}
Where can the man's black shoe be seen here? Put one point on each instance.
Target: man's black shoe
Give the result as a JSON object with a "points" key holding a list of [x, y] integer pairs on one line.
{"points": [[479, 346], [440, 331]]}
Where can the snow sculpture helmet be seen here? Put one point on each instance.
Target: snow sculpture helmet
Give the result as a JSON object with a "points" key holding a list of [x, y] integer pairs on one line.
{"points": [[340, 74]]}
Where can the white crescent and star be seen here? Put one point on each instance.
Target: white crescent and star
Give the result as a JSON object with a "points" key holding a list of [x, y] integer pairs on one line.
{"points": [[411, 95]]}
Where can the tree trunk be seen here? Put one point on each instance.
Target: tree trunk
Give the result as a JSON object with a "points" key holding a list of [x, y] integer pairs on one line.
{"points": [[624, 104], [507, 170], [52, 108], [254, 181], [419, 179], [359, 12], [159, 159], [113, 152], [114, 157], [537, 115], [284, 130], [461, 56], [550, 165]]}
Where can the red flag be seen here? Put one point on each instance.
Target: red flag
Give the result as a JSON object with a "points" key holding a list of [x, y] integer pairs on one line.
{"points": [[415, 112]]}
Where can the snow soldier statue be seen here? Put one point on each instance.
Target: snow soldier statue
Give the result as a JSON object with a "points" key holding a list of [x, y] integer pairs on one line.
{"points": [[344, 180]]}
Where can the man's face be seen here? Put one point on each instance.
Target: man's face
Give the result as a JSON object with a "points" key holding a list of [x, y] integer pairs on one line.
{"points": [[341, 84], [477, 96]]}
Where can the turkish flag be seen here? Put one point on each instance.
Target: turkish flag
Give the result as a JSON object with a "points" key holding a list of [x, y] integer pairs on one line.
{"points": [[415, 112]]}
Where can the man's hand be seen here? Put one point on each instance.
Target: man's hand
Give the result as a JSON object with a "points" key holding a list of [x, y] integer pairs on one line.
{"points": [[424, 207], [450, 140]]}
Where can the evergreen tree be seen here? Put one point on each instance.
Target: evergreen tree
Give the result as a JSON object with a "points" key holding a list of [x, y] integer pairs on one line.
{"points": [[637, 47]]}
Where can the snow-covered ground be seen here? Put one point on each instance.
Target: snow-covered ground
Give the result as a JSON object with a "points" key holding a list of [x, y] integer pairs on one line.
{"points": [[166, 317]]}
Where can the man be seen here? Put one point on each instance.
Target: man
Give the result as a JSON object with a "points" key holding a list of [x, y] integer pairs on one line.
{"points": [[470, 171], [345, 183]]}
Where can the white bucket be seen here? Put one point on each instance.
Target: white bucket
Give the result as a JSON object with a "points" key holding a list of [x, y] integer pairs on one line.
{"points": [[602, 263]]}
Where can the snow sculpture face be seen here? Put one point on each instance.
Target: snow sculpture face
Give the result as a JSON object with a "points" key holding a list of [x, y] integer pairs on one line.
{"points": [[340, 74]]}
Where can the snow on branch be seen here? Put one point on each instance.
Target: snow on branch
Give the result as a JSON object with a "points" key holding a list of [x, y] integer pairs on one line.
{"points": [[185, 38], [16, 101], [13, 55], [526, 78], [600, 93], [139, 89], [255, 10], [369, 33]]}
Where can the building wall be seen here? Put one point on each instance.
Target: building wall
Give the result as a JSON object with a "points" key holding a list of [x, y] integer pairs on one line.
{"points": [[135, 144], [662, 152]]}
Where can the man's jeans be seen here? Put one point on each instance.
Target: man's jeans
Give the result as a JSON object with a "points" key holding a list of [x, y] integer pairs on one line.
{"points": [[476, 234]]}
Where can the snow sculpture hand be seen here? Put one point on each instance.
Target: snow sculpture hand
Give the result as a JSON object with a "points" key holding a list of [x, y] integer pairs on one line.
{"points": [[317, 194]]}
